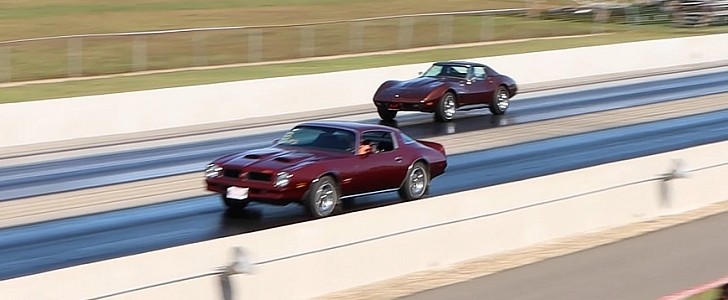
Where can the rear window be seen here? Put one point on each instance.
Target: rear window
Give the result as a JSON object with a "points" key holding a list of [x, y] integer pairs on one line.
{"points": [[407, 139]]}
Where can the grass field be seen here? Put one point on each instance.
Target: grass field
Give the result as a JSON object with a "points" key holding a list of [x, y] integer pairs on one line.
{"points": [[39, 60], [35, 18], [90, 56]]}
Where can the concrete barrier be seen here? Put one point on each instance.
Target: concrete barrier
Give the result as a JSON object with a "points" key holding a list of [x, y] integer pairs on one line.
{"points": [[310, 259], [82, 117]]}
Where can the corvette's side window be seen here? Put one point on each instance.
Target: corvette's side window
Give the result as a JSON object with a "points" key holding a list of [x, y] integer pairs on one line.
{"points": [[381, 140], [479, 72]]}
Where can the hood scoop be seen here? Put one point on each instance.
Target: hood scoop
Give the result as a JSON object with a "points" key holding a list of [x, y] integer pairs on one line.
{"points": [[283, 159]]}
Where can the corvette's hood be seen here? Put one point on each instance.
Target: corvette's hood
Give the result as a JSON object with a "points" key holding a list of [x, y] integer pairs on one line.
{"points": [[269, 159], [417, 87]]}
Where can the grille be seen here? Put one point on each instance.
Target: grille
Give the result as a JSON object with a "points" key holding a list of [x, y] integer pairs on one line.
{"points": [[231, 173], [260, 176], [255, 176]]}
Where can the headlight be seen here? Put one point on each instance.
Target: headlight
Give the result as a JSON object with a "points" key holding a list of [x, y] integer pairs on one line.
{"points": [[212, 170], [282, 179]]}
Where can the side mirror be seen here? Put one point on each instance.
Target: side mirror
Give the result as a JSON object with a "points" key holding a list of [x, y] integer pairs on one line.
{"points": [[420, 73], [275, 141]]}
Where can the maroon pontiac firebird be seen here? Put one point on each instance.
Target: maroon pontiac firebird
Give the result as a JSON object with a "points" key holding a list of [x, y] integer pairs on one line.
{"points": [[319, 163], [444, 88]]}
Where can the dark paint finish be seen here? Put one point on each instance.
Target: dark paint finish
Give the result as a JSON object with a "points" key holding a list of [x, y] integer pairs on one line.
{"points": [[424, 93], [99, 170], [51, 245], [287, 171]]}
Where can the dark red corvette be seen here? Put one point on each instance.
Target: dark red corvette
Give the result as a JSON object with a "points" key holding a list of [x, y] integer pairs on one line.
{"points": [[444, 88], [319, 163]]}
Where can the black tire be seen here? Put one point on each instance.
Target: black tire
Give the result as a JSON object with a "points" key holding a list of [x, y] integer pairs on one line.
{"points": [[323, 198], [500, 102], [416, 183], [445, 110], [236, 205], [386, 114]]}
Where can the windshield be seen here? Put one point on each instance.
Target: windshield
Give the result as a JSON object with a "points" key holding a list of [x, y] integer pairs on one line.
{"points": [[319, 137], [447, 71]]}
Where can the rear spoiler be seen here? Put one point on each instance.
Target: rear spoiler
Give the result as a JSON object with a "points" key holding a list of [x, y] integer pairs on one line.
{"points": [[437, 146]]}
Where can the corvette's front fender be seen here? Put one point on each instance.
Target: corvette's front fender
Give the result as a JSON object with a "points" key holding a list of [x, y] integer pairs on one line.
{"points": [[437, 93], [383, 87]]}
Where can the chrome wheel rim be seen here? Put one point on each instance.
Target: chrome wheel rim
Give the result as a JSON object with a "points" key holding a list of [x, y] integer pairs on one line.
{"points": [[503, 99], [325, 198], [448, 106], [417, 182]]}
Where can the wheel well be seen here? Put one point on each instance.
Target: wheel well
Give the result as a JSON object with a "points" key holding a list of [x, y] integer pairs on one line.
{"points": [[503, 85], [455, 94], [425, 162], [451, 91], [337, 180]]}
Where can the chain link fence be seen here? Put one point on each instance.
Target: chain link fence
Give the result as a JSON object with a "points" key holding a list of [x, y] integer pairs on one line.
{"points": [[101, 54]]}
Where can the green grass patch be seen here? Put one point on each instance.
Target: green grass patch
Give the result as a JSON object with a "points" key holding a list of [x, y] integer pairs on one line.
{"points": [[122, 54], [53, 59], [185, 78], [710, 294]]}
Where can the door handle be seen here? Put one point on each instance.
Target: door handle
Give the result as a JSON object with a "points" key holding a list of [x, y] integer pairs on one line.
{"points": [[398, 159]]}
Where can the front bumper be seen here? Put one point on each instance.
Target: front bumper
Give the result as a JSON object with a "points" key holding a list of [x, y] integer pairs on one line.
{"points": [[260, 191], [426, 106]]}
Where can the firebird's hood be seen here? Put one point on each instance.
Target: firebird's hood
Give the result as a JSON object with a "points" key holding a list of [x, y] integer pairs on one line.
{"points": [[418, 87], [271, 159]]}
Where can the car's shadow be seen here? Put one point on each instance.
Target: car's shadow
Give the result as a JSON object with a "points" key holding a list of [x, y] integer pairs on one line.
{"points": [[263, 216]]}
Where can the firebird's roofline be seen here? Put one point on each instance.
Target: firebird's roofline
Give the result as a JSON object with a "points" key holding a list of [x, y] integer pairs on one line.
{"points": [[355, 126], [460, 63]]}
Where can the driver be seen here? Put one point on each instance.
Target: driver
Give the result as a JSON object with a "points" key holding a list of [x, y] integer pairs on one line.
{"points": [[365, 147]]}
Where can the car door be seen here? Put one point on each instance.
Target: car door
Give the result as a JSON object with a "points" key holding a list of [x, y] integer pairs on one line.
{"points": [[459, 75], [481, 86], [385, 167]]}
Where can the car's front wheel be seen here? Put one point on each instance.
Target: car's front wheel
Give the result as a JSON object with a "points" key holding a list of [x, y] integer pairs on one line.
{"points": [[322, 198], [445, 110], [500, 102], [416, 183], [234, 204], [386, 114]]}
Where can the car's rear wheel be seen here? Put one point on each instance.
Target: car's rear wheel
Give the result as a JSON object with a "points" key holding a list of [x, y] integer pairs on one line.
{"points": [[445, 110], [386, 114], [322, 198], [233, 204], [500, 102], [416, 183]]}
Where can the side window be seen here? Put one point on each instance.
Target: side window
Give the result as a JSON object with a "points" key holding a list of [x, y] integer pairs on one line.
{"points": [[381, 140], [479, 72]]}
